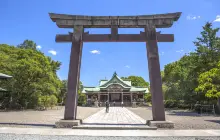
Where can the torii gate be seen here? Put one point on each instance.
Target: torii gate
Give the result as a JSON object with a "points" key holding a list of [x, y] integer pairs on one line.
{"points": [[150, 36]]}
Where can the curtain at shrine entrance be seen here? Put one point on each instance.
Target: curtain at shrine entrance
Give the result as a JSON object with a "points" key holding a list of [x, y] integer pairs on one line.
{"points": [[115, 97]]}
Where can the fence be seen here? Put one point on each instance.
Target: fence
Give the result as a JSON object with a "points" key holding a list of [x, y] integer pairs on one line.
{"points": [[205, 109]]}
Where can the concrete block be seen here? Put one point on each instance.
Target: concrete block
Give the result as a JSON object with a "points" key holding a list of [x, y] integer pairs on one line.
{"points": [[160, 124], [67, 123]]}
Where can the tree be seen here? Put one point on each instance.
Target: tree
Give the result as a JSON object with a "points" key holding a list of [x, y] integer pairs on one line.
{"points": [[208, 51], [33, 75], [28, 44], [186, 78], [63, 92], [136, 81], [81, 96]]}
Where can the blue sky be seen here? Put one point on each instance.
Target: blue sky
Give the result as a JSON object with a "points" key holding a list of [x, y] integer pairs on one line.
{"points": [[29, 19]]}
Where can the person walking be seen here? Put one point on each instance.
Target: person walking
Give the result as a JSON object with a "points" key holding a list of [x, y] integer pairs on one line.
{"points": [[122, 104], [107, 106]]}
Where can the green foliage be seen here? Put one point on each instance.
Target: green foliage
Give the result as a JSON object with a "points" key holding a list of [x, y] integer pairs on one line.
{"points": [[209, 83], [170, 103], [63, 92], [81, 98], [28, 44], [53, 100], [195, 77], [136, 81], [147, 97], [34, 75]]}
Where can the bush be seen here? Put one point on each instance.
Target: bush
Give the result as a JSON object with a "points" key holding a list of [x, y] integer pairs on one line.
{"points": [[53, 100], [170, 103], [147, 97], [176, 104], [47, 101], [81, 99]]}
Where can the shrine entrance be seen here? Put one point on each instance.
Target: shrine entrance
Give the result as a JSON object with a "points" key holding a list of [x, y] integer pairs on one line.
{"points": [[115, 97], [150, 36]]}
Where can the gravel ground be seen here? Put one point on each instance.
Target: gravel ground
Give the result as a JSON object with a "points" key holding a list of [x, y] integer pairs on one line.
{"points": [[40, 137], [31, 118], [183, 119]]}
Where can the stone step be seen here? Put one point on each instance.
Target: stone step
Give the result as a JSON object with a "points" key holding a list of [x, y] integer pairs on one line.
{"points": [[115, 127]]}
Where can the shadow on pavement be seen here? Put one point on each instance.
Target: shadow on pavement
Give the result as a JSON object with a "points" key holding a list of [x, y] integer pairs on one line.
{"points": [[214, 121], [28, 124], [183, 113]]}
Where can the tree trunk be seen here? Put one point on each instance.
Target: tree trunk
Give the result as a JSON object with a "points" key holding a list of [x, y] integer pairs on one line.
{"points": [[218, 106]]}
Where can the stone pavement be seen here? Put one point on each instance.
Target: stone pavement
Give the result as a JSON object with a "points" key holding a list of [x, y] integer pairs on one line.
{"points": [[121, 133], [116, 115]]}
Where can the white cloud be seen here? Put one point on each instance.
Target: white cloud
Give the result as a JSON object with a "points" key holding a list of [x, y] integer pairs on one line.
{"points": [[217, 18], [39, 47], [180, 51], [191, 17], [162, 53], [95, 52], [127, 66], [52, 52]]}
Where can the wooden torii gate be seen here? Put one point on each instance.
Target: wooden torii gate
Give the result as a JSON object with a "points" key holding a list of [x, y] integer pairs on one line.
{"points": [[150, 36]]}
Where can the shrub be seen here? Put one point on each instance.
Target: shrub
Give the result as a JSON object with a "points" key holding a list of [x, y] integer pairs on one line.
{"points": [[47, 101], [147, 97], [170, 103], [53, 100], [81, 99], [176, 104]]}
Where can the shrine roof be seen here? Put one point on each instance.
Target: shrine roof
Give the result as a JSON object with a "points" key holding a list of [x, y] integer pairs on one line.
{"points": [[125, 84], [115, 79]]}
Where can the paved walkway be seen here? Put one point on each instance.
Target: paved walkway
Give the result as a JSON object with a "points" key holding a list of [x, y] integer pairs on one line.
{"points": [[116, 115], [77, 132]]}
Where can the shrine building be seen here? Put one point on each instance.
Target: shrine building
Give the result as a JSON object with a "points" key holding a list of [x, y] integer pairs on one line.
{"points": [[115, 90]]}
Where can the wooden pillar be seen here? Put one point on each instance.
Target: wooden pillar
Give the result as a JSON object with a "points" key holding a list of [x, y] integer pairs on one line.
{"points": [[154, 74], [108, 96], [73, 75], [122, 98], [131, 96], [99, 97]]}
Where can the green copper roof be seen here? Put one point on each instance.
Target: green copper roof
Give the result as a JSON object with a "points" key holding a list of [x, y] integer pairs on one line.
{"points": [[4, 76], [104, 84], [116, 79]]}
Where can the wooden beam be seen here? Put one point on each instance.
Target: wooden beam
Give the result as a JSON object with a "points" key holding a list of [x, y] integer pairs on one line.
{"points": [[114, 33], [120, 38]]}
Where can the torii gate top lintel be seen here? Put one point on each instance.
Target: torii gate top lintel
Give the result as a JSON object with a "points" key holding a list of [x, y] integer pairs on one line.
{"points": [[159, 20]]}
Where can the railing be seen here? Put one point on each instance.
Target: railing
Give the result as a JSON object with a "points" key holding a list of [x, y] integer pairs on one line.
{"points": [[204, 109]]}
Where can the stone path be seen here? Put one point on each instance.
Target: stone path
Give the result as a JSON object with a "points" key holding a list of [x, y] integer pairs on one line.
{"points": [[116, 115]]}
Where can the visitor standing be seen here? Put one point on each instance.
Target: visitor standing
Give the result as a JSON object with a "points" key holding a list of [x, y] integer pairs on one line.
{"points": [[122, 104], [114, 103], [107, 106]]}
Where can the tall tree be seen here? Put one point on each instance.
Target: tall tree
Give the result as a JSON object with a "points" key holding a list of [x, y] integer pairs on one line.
{"points": [[33, 76], [28, 44], [136, 81]]}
